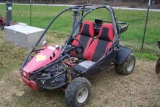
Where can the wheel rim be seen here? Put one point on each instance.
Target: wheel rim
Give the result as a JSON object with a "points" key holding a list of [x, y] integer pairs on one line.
{"points": [[82, 95], [130, 64]]}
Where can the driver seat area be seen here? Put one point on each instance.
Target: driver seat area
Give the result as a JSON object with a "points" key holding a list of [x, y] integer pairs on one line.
{"points": [[85, 37], [98, 48]]}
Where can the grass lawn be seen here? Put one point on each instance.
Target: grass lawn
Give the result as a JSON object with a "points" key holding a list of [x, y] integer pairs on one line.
{"points": [[11, 57]]}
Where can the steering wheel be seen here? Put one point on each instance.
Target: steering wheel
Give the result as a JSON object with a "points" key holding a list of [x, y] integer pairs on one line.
{"points": [[79, 49]]}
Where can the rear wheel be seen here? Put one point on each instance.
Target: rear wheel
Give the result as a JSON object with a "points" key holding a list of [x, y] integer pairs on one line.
{"points": [[1, 27], [127, 67], [78, 92]]}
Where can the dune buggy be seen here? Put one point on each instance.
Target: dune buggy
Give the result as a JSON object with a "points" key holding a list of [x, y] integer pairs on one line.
{"points": [[2, 23], [86, 53]]}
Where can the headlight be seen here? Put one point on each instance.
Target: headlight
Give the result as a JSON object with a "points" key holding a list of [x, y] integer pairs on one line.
{"points": [[25, 74]]}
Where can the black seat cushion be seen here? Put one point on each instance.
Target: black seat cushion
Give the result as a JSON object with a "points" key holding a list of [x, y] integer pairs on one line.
{"points": [[101, 46], [97, 49]]}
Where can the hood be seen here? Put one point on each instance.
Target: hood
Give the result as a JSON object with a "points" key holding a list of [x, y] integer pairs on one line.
{"points": [[42, 58]]}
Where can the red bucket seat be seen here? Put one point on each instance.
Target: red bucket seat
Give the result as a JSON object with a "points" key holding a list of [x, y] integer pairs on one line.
{"points": [[100, 46], [85, 36]]}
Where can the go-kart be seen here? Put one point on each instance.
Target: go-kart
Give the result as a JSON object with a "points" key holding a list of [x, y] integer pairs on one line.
{"points": [[2, 23], [158, 62], [94, 48]]}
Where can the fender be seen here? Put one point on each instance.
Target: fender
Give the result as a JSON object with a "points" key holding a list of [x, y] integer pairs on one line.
{"points": [[122, 55]]}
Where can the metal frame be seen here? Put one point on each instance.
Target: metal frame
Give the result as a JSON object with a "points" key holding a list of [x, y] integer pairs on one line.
{"points": [[74, 28], [104, 62]]}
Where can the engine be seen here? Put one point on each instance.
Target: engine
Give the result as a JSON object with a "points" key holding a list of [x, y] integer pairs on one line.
{"points": [[53, 76]]}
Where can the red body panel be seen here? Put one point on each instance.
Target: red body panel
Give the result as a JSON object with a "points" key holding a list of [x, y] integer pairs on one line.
{"points": [[30, 83], [42, 58], [2, 22]]}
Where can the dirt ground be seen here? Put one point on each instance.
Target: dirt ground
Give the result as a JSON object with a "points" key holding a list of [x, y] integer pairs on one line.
{"points": [[109, 89]]}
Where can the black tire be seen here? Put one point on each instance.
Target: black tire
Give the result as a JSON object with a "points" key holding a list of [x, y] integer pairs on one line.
{"points": [[1, 27], [128, 66], [78, 92]]}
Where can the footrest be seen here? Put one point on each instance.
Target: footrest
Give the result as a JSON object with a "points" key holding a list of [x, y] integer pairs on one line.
{"points": [[83, 66]]}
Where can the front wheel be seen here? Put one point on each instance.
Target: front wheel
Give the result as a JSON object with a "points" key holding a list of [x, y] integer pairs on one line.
{"points": [[78, 92], [128, 66]]}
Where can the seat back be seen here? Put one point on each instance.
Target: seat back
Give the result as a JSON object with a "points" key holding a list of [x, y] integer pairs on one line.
{"points": [[106, 32], [85, 36], [100, 46], [87, 28]]}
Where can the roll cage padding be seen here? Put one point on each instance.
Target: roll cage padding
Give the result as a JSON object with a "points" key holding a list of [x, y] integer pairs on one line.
{"points": [[100, 46]]}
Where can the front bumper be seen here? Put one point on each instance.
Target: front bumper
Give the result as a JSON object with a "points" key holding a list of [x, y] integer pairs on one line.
{"points": [[30, 83]]}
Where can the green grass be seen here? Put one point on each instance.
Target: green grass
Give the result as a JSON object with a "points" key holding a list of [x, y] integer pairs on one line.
{"points": [[10, 56]]}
